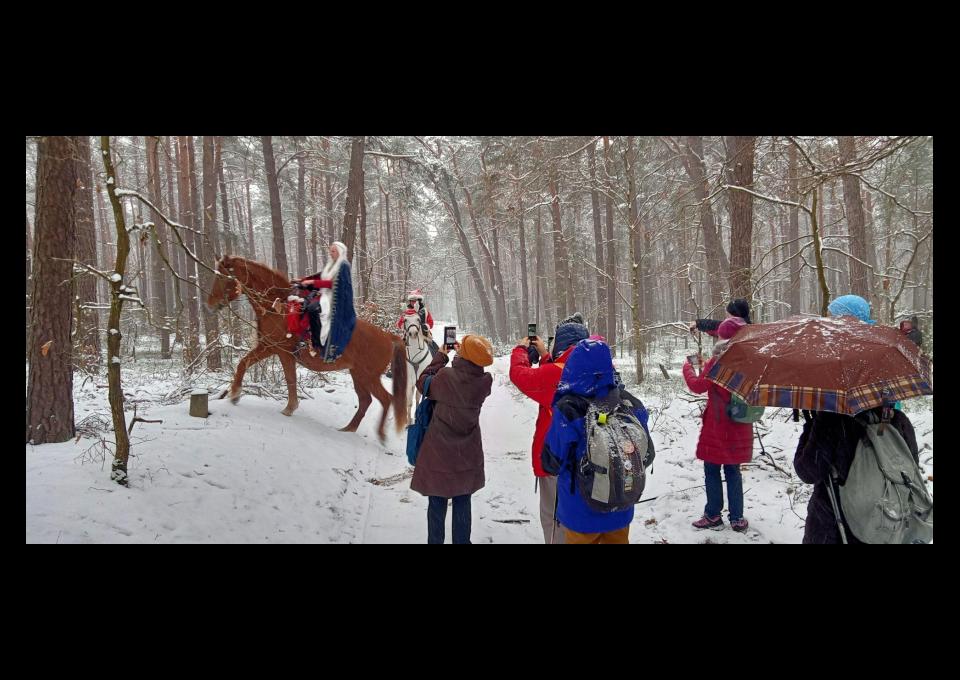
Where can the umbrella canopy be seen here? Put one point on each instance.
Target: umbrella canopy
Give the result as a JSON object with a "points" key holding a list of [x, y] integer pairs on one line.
{"points": [[822, 364]]}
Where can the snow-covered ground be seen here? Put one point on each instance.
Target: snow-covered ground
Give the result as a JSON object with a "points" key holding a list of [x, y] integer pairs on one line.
{"points": [[248, 474]]}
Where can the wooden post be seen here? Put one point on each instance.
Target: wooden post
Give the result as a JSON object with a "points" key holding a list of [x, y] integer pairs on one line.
{"points": [[198, 404]]}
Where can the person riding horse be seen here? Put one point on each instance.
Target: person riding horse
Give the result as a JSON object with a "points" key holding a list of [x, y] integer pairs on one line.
{"points": [[415, 306], [335, 299]]}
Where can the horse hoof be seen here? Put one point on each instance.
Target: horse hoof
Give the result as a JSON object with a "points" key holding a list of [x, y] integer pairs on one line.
{"points": [[235, 398], [347, 428]]}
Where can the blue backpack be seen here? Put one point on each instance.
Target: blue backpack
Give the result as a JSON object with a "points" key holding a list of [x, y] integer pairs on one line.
{"points": [[417, 431]]}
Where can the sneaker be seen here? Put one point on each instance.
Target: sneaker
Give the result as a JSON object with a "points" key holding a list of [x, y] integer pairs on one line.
{"points": [[739, 525], [709, 522]]}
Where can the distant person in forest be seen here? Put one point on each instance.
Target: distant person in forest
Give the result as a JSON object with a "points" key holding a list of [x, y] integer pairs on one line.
{"points": [[723, 442], [911, 328], [416, 307], [851, 305], [739, 308]]}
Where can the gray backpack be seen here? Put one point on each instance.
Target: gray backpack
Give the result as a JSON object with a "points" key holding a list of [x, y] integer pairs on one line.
{"points": [[611, 475], [884, 498]]}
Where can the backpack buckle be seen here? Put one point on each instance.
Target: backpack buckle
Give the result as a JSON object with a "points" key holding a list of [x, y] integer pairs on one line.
{"points": [[602, 418]]}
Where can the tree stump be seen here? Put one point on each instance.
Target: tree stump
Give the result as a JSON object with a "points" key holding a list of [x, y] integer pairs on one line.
{"points": [[198, 404]]}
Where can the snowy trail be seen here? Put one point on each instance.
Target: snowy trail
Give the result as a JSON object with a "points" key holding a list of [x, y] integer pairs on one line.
{"points": [[248, 474]]}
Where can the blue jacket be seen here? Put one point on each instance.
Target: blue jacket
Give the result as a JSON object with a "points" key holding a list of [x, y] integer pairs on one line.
{"points": [[343, 317], [587, 374]]}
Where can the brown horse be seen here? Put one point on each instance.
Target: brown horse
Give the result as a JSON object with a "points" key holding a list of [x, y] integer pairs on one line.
{"points": [[366, 356]]}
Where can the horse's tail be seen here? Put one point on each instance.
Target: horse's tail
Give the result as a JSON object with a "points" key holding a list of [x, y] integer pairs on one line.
{"points": [[398, 367]]}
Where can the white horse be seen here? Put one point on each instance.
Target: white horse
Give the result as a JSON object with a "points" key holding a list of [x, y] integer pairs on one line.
{"points": [[418, 356]]}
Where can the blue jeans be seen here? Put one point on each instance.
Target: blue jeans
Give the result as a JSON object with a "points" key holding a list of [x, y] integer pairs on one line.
{"points": [[437, 515], [715, 490]]}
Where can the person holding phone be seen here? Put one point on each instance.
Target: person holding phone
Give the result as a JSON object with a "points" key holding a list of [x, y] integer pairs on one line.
{"points": [[540, 384], [450, 462]]}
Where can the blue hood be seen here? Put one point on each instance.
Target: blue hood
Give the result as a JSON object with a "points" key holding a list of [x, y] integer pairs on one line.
{"points": [[588, 371], [854, 305]]}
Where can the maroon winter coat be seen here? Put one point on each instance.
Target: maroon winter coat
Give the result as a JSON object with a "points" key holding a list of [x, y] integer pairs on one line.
{"points": [[450, 462], [722, 441]]}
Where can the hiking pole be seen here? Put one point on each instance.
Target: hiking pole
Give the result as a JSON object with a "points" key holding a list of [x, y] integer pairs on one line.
{"points": [[833, 500]]}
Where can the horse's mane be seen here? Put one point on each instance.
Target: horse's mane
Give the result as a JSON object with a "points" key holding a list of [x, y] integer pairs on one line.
{"points": [[263, 271]]}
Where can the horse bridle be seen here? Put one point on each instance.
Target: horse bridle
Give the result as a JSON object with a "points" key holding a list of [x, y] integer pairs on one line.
{"points": [[424, 349]]}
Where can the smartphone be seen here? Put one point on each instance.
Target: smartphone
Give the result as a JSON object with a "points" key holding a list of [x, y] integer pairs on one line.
{"points": [[449, 336], [692, 358], [531, 331]]}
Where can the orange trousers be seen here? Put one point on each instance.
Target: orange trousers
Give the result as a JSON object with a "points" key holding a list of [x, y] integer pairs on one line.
{"points": [[618, 536]]}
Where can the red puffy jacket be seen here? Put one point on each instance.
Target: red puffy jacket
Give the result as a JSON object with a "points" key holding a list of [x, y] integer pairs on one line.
{"points": [[539, 384], [408, 312], [722, 441]]}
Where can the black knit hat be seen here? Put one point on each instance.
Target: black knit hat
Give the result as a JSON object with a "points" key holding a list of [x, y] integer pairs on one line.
{"points": [[741, 308]]}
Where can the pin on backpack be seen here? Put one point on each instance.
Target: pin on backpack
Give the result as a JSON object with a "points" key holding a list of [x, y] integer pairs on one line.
{"points": [[611, 475]]}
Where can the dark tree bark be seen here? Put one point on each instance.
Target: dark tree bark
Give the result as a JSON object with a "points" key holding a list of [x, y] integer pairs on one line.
{"points": [[211, 251], [565, 302], [302, 262], [740, 173], [362, 257], [191, 344], [793, 233], [717, 265], [87, 337], [160, 308], [279, 246], [598, 243], [118, 470], [354, 187], [611, 251], [49, 416], [630, 158], [860, 279]]}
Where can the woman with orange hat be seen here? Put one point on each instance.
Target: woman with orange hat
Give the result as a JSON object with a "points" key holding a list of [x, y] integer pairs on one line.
{"points": [[450, 462]]}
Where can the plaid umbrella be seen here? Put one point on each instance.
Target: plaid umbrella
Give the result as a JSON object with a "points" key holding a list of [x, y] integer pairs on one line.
{"points": [[822, 364]]}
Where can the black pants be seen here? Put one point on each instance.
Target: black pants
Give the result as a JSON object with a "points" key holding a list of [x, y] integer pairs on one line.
{"points": [[313, 314], [437, 515]]}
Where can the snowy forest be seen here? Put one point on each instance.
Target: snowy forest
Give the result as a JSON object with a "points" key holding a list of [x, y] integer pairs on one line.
{"points": [[131, 322]]}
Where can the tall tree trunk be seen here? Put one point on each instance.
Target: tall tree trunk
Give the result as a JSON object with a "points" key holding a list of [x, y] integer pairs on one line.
{"points": [[118, 470], [859, 277], [611, 267], [354, 187], [211, 251], [717, 265], [49, 415], [636, 307], [302, 262], [524, 284], [229, 235], [363, 257], [465, 245], [191, 344], [160, 310], [279, 247], [28, 287], [174, 291], [87, 339], [540, 274], [494, 277], [313, 223], [565, 301], [598, 243], [740, 173], [793, 234]]}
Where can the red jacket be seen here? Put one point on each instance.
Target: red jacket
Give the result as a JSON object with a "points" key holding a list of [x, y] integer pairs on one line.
{"points": [[407, 312], [722, 441], [539, 384]]}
